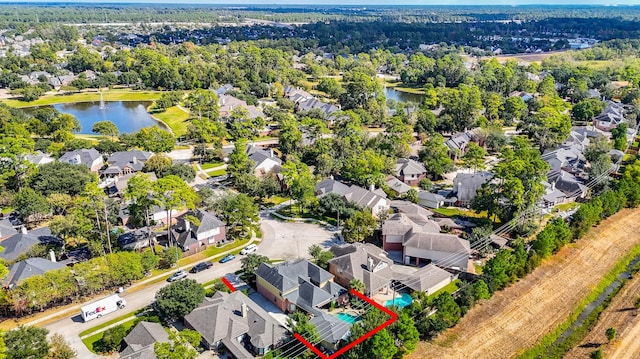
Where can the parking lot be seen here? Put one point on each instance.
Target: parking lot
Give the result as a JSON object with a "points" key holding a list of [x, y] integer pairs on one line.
{"points": [[288, 240]]}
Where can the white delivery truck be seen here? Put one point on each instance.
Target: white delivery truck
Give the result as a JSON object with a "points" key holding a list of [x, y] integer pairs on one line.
{"points": [[102, 307]]}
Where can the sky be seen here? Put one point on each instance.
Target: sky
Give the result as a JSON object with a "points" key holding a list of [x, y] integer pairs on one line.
{"points": [[352, 2]]}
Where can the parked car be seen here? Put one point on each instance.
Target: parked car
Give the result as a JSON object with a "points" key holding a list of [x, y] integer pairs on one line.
{"points": [[181, 274], [227, 258], [249, 249], [200, 267]]}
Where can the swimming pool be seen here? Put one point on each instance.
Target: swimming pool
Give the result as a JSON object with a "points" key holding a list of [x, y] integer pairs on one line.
{"points": [[402, 301], [349, 318]]}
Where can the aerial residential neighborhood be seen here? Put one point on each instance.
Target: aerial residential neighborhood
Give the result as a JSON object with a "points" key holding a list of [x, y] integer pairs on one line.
{"points": [[319, 181]]}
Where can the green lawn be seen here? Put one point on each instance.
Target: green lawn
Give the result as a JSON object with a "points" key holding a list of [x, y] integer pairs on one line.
{"points": [[90, 341], [295, 212], [449, 288], [411, 90], [6, 210], [175, 118], [210, 165], [452, 212], [216, 173], [565, 206], [109, 95], [276, 200]]}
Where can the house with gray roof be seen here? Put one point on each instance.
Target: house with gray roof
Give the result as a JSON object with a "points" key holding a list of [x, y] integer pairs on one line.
{"points": [[136, 239], [458, 143], [139, 343], [196, 237], [374, 199], [227, 104], [265, 160], [398, 187], [431, 200], [428, 279], [27, 268], [399, 227], [331, 329], [6, 229], [125, 162], [465, 185], [38, 158], [237, 323], [304, 101], [441, 249], [612, 115], [20, 243], [298, 285], [365, 262], [410, 171], [88, 157]]}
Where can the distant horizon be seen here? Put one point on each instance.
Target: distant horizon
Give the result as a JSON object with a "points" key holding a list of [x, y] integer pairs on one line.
{"points": [[363, 3]]}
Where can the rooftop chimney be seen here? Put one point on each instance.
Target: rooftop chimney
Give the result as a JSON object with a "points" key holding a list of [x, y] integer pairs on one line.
{"points": [[23, 230], [187, 225], [372, 187], [370, 264], [53, 255], [243, 310]]}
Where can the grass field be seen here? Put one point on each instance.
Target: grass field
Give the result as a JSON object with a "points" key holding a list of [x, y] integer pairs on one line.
{"points": [[208, 166], [449, 288], [175, 118], [521, 315], [91, 340], [216, 173], [110, 95]]}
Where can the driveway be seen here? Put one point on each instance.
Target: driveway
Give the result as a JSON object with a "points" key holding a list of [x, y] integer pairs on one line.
{"points": [[289, 240]]}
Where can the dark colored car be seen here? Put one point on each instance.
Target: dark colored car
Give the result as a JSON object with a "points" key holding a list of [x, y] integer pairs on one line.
{"points": [[200, 267], [227, 258]]}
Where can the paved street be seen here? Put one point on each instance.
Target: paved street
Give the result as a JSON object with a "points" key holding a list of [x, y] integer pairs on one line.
{"points": [[71, 327], [280, 240]]}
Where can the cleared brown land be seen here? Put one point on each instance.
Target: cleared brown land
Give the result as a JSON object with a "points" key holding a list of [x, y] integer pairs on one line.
{"points": [[519, 316], [621, 315], [526, 59]]}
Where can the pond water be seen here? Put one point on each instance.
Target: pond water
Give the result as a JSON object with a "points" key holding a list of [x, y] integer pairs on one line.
{"points": [[393, 94], [129, 116]]}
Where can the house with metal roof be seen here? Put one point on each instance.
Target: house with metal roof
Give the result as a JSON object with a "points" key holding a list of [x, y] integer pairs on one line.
{"points": [[237, 323], [139, 343], [87, 157]]}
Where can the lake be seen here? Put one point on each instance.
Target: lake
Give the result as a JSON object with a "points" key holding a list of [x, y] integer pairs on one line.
{"points": [[129, 116], [393, 94]]}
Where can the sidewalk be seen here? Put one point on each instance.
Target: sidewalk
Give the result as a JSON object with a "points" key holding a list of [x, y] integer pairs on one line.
{"points": [[56, 313]]}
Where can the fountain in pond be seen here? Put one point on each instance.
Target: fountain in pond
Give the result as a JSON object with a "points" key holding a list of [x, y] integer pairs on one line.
{"points": [[102, 105]]}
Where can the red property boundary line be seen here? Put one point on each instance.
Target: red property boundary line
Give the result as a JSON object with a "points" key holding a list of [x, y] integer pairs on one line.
{"points": [[393, 316], [228, 284]]}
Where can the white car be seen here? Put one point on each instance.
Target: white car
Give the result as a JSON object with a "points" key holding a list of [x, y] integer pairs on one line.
{"points": [[181, 274], [249, 249]]}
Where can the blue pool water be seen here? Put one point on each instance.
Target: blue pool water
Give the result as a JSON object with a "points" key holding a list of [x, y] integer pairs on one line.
{"points": [[347, 317], [402, 301]]}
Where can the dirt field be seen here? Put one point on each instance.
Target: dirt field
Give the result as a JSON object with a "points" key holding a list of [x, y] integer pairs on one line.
{"points": [[518, 317], [620, 315], [526, 59]]}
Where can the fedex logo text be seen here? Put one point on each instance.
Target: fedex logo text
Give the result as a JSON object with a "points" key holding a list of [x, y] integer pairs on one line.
{"points": [[95, 311]]}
